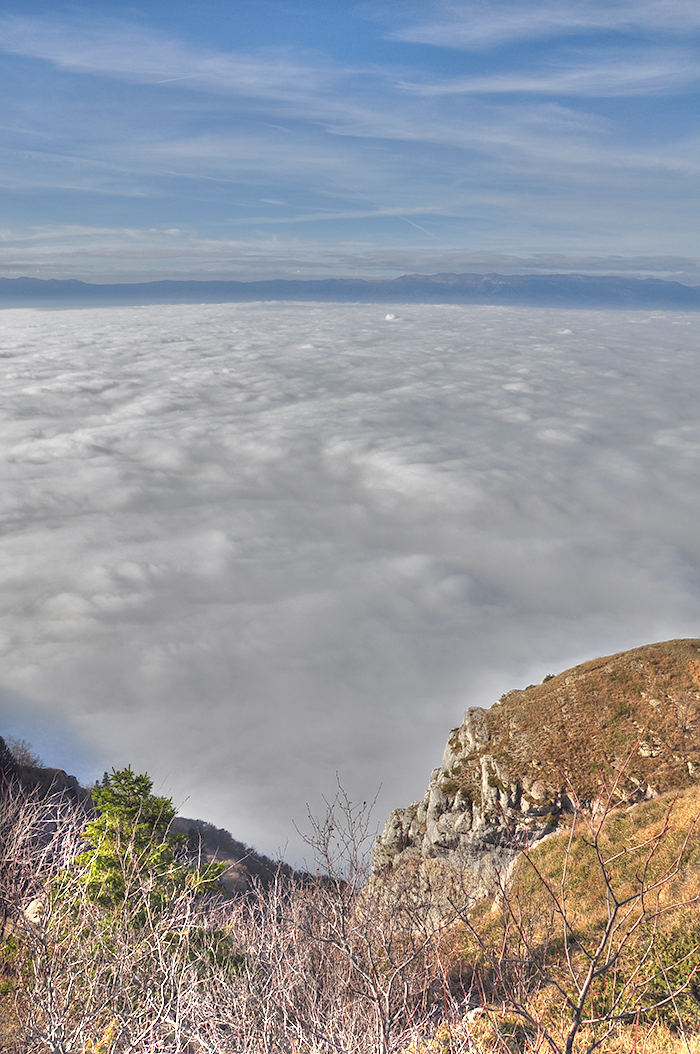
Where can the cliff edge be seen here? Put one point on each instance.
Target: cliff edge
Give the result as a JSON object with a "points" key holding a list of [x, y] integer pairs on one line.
{"points": [[510, 773]]}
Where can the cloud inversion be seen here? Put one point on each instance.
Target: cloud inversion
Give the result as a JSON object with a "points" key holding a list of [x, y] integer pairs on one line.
{"points": [[247, 546]]}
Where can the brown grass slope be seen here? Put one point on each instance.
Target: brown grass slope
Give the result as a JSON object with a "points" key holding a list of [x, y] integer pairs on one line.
{"points": [[626, 725], [528, 950], [580, 725]]}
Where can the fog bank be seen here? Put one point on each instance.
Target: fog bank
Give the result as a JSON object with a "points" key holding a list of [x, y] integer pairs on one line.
{"points": [[249, 545]]}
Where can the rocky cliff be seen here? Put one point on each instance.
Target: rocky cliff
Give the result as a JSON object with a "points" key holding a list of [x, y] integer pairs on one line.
{"points": [[629, 721]]}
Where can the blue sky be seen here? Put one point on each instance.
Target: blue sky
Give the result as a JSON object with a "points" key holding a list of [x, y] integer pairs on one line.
{"points": [[259, 139]]}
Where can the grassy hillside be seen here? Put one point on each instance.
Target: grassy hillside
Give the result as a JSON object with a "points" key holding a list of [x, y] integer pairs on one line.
{"points": [[603, 916], [644, 702]]}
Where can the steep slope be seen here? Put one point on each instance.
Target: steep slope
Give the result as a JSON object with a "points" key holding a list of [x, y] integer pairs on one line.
{"points": [[37, 778], [245, 867], [631, 720]]}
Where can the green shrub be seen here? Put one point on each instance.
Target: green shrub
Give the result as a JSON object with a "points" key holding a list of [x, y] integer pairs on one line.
{"points": [[131, 845]]}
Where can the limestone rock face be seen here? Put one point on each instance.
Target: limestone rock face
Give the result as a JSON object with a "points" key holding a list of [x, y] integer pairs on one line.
{"points": [[462, 843], [627, 724]]}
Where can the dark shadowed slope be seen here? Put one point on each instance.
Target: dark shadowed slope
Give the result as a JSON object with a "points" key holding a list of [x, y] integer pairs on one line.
{"points": [[244, 866]]}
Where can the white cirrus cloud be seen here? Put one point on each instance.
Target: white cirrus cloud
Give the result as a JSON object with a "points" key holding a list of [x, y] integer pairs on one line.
{"points": [[111, 47], [670, 71], [473, 26]]}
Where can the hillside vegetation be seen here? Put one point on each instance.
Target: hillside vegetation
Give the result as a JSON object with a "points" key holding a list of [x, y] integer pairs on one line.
{"points": [[117, 939], [602, 918], [243, 867], [645, 701]]}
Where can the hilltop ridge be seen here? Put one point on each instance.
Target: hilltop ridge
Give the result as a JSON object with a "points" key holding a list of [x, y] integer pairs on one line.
{"points": [[629, 720], [508, 773]]}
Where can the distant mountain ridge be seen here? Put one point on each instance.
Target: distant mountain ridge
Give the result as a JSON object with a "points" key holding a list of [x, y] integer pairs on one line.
{"points": [[553, 290]]}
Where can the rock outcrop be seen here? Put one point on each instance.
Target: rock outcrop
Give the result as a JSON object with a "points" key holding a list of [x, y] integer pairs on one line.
{"points": [[626, 725]]}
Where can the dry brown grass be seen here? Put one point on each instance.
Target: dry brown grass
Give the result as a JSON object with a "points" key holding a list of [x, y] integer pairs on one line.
{"points": [[530, 948], [8, 1020], [500, 1034], [578, 727]]}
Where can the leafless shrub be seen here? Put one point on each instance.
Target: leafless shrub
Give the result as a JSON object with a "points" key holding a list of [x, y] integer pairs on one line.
{"points": [[23, 752], [335, 962], [381, 941], [320, 964], [575, 949]]}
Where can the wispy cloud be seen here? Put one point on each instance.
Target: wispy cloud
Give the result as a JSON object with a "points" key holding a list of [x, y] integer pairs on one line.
{"points": [[543, 141], [316, 217], [472, 26], [620, 75], [112, 48], [133, 254]]}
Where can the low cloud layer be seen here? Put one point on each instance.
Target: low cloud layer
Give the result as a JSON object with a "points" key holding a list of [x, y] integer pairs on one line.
{"points": [[247, 546]]}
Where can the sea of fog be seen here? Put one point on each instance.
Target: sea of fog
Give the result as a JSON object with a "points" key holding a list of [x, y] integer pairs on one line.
{"points": [[249, 546]]}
